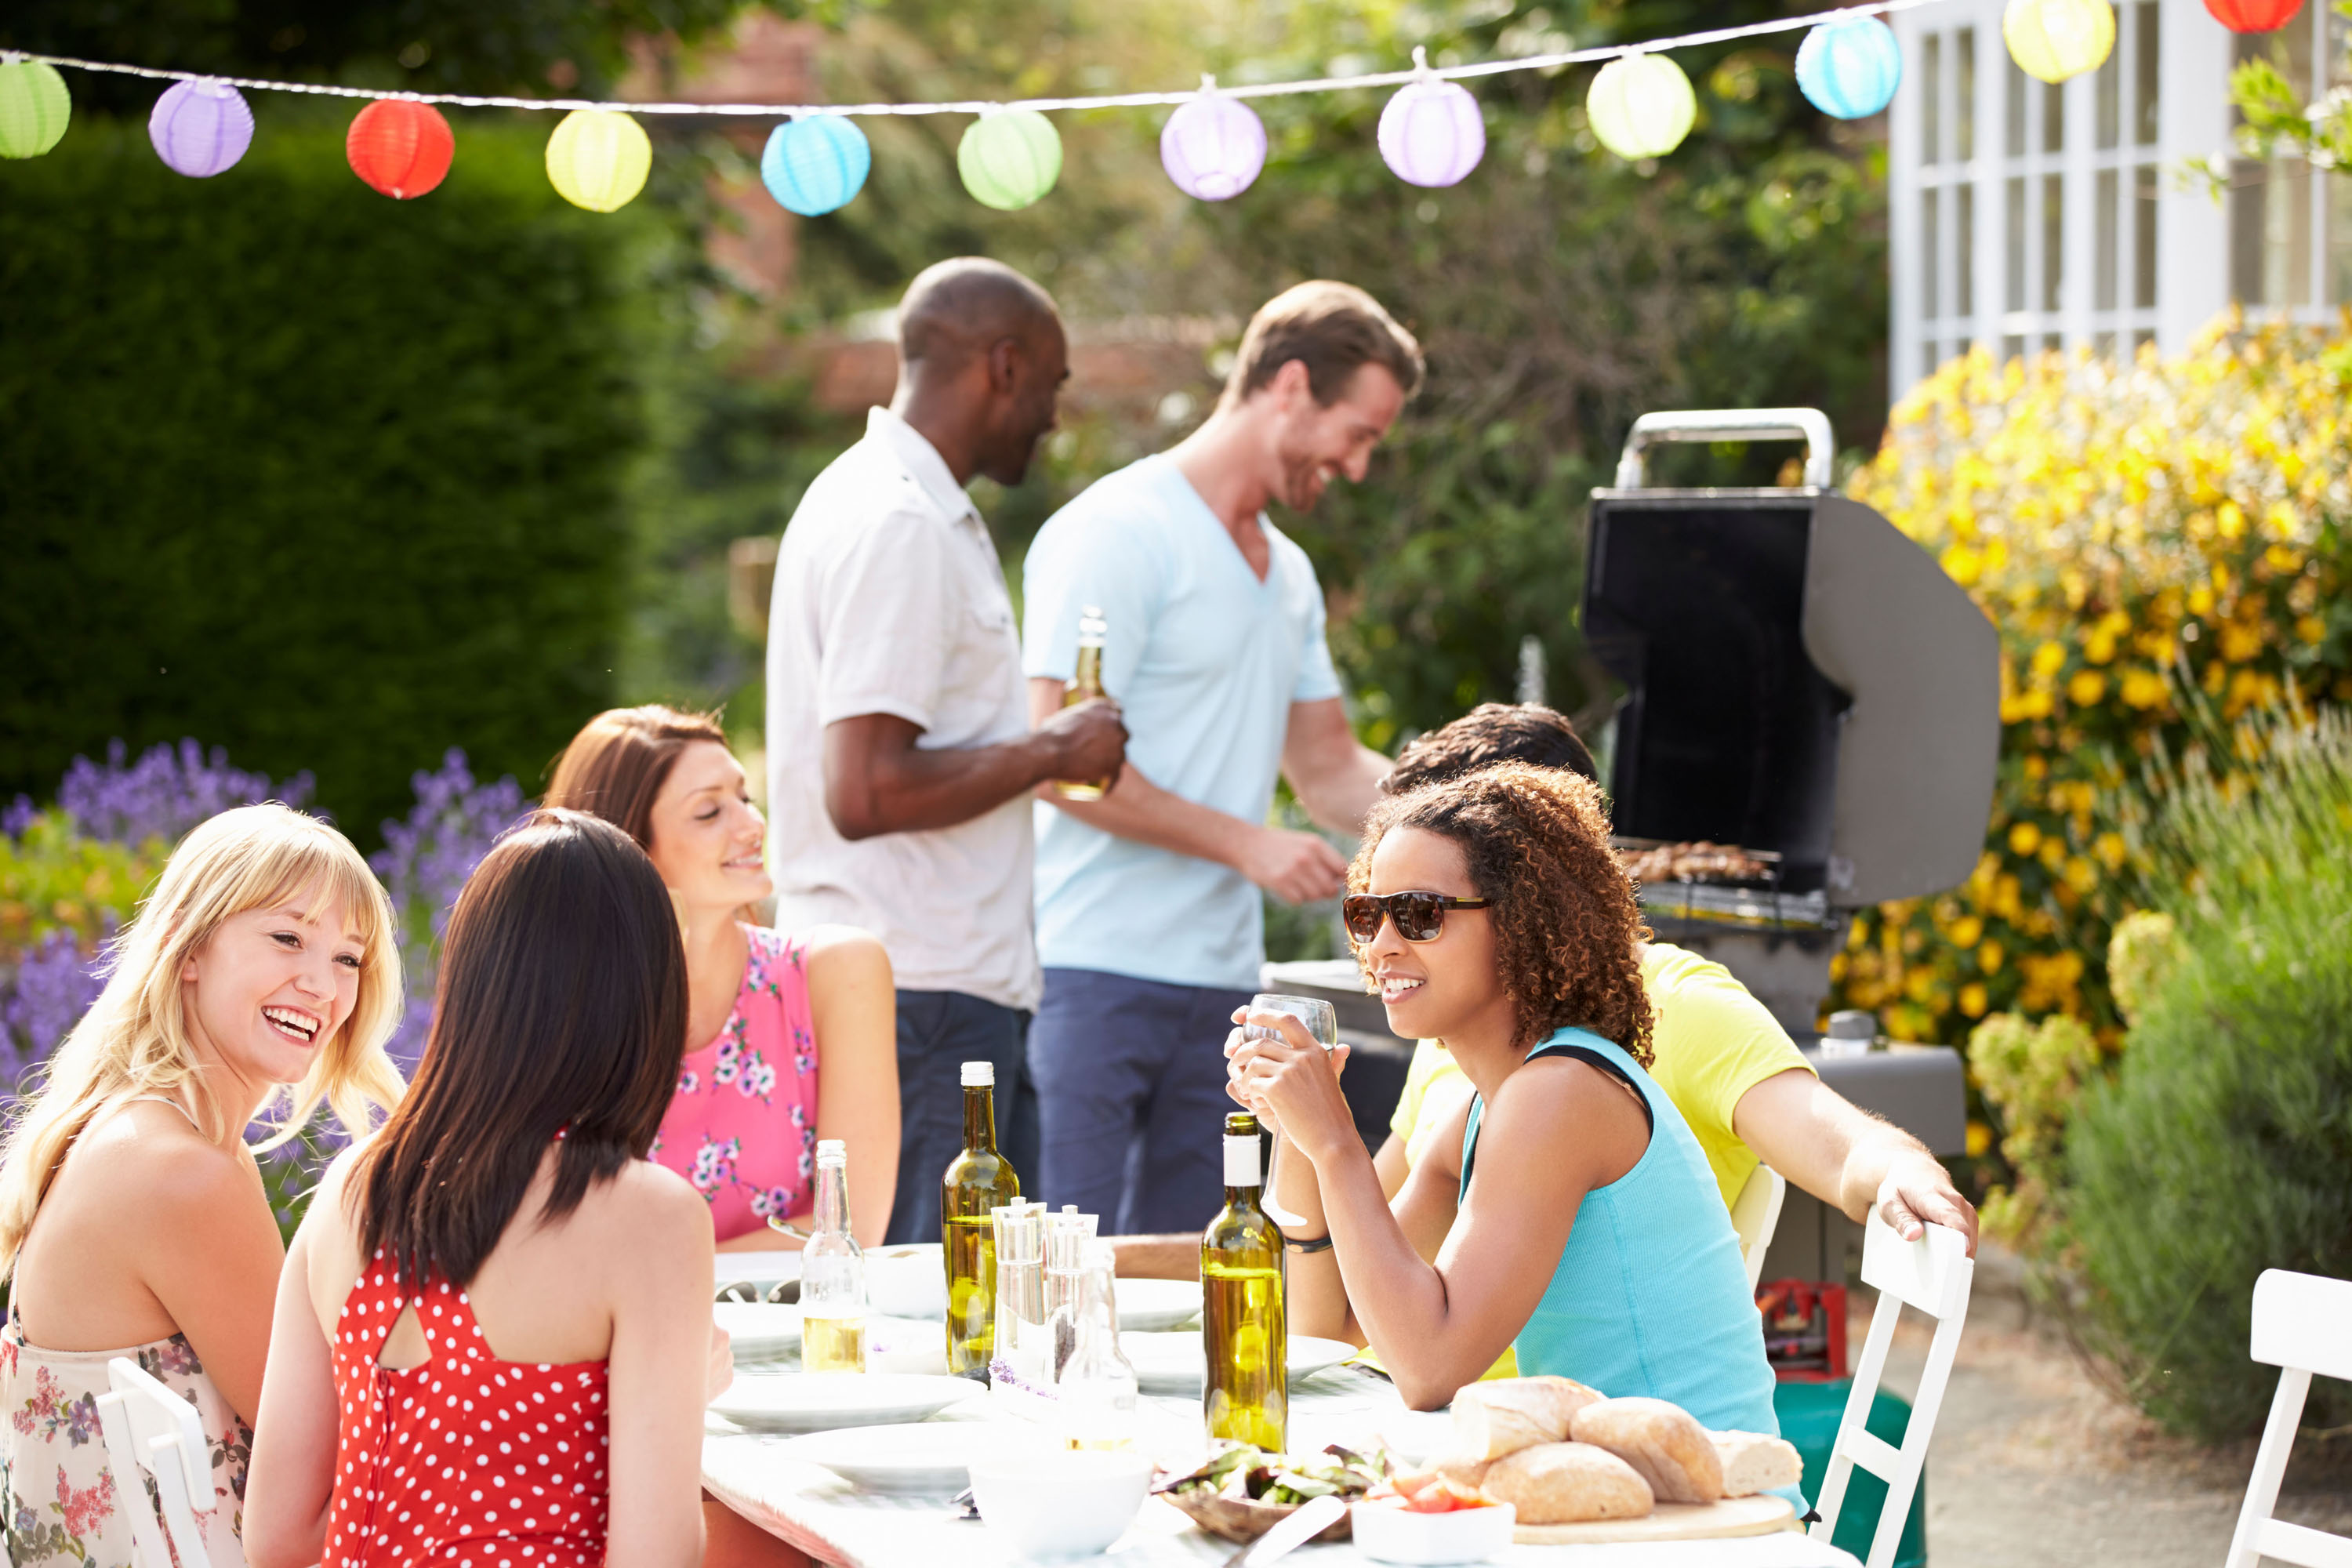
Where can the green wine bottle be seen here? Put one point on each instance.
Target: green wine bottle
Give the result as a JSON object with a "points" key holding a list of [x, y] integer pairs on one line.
{"points": [[1246, 1394], [978, 1179]]}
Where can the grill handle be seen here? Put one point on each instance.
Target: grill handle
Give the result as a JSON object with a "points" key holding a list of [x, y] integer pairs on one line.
{"points": [[1809, 426]]}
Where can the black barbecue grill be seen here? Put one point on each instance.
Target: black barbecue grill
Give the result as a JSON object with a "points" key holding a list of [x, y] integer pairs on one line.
{"points": [[1803, 682]]}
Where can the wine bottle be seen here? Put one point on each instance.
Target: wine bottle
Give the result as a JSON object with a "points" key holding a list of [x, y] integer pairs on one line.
{"points": [[978, 1179], [1246, 1394], [1087, 683], [832, 1274]]}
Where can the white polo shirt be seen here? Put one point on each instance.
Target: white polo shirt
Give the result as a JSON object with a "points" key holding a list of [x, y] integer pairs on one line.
{"points": [[890, 598]]}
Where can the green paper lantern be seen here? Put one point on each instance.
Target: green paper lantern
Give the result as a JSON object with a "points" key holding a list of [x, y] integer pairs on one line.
{"points": [[34, 107], [1010, 158], [1641, 106]]}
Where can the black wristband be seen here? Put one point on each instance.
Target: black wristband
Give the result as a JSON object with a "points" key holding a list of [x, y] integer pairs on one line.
{"points": [[1320, 1244]]}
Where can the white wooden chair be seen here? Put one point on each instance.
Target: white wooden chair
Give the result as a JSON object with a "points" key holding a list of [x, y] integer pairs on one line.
{"points": [[1756, 1215], [148, 1427], [2303, 1324], [1931, 1275]]}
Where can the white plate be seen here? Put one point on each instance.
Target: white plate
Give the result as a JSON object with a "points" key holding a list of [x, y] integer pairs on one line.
{"points": [[759, 1331], [760, 1270], [931, 1456], [1173, 1363], [818, 1402], [1152, 1306]]}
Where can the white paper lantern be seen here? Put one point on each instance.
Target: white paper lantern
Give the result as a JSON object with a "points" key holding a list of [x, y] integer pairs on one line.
{"points": [[1641, 106], [1432, 133]]}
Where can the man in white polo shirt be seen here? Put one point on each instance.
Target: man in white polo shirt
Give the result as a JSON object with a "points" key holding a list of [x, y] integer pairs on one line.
{"points": [[901, 759], [1149, 916]]}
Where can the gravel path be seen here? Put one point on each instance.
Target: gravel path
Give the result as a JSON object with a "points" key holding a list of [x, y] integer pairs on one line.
{"points": [[2035, 1466]]}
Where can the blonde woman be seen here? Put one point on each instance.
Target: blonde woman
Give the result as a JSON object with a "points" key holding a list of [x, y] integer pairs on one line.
{"points": [[132, 1217]]}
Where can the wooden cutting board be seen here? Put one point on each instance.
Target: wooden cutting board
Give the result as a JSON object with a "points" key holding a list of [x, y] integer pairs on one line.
{"points": [[1758, 1515]]}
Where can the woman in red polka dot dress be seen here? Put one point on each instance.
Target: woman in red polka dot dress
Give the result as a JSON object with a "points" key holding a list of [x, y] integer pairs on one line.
{"points": [[493, 1343]]}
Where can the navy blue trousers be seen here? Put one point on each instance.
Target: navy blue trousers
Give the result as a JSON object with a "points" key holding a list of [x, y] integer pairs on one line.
{"points": [[939, 1031]]}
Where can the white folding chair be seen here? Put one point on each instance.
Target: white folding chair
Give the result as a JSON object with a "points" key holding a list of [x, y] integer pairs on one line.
{"points": [[1931, 1275], [1756, 1215], [148, 1427], [2303, 1324]]}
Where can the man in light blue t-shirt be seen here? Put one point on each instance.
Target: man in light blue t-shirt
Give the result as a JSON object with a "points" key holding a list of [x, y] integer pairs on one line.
{"points": [[1150, 925]]}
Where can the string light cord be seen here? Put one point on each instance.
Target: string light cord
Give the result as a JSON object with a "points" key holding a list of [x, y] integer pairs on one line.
{"points": [[984, 106]]}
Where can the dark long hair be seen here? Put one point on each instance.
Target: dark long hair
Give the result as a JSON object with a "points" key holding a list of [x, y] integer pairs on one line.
{"points": [[562, 1009]]}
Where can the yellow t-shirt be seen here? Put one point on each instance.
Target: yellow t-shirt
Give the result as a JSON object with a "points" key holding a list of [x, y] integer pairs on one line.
{"points": [[1713, 1043]]}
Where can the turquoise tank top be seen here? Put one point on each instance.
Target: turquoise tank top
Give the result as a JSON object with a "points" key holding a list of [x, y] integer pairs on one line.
{"points": [[1649, 1297]]}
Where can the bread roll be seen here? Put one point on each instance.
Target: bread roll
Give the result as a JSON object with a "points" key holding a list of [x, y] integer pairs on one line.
{"points": [[1754, 1463], [1462, 1468], [1492, 1419], [1565, 1483], [1660, 1440]]}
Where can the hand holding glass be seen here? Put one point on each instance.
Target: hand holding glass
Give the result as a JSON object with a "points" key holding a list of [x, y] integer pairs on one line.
{"points": [[1322, 1025]]}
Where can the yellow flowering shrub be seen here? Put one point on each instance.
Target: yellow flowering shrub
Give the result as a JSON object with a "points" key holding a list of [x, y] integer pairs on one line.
{"points": [[2151, 539]]}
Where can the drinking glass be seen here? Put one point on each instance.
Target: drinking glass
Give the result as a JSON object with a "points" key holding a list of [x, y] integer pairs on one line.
{"points": [[1323, 1028]]}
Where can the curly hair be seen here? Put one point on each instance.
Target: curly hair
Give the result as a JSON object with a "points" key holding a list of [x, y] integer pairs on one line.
{"points": [[1489, 733], [1537, 842]]}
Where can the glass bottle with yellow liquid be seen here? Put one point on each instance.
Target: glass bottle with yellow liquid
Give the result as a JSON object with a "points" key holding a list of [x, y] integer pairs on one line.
{"points": [[1085, 684], [978, 1179], [833, 1273], [1243, 1335]]}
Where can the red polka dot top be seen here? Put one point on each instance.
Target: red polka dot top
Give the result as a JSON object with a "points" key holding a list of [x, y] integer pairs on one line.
{"points": [[463, 1457]]}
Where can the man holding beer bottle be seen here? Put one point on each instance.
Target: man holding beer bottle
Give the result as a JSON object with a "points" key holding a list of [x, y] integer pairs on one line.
{"points": [[1149, 920], [900, 756]]}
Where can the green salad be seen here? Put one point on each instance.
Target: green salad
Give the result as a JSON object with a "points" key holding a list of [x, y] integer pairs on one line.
{"points": [[1244, 1473]]}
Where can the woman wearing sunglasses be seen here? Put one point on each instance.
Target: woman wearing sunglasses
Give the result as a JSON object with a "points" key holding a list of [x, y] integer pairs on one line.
{"points": [[1490, 913]]}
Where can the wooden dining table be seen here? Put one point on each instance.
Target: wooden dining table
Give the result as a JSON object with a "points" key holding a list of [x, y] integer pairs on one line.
{"points": [[834, 1522]]}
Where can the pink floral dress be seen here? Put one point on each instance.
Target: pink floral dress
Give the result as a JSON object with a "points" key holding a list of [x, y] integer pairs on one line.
{"points": [[742, 1126], [55, 1482]]}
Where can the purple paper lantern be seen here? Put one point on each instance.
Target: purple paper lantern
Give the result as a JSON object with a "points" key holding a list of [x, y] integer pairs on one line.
{"points": [[201, 128], [1432, 133], [1213, 147]]}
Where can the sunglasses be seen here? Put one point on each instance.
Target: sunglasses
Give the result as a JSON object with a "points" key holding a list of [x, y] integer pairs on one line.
{"points": [[1418, 916]]}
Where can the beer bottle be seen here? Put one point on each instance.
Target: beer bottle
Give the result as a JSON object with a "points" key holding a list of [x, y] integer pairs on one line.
{"points": [[1086, 684]]}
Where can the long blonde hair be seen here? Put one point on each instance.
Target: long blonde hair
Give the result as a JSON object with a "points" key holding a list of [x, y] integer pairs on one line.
{"points": [[134, 1039]]}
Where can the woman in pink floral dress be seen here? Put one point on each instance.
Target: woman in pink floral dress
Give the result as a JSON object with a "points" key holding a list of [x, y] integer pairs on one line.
{"points": [[769, 1009]]}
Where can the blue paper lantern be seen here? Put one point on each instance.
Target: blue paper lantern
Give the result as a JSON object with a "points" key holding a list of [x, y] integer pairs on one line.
{"points": [[815, 164], [1850, 68]]}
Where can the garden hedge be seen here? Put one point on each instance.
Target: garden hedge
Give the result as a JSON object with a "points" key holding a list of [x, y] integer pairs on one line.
{"points": [[333, 480]]}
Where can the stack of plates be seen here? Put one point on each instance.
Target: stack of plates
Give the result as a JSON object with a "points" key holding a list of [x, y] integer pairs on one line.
{"points": [[1151, 1305], [820, 1401], [1173, 1363], [759, 1271], [760, 1331]]}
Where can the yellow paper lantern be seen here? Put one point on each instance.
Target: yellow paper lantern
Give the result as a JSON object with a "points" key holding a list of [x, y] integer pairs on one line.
{"points": [[2055, 40], [34, 107], [598, 159], [1641, 106]]}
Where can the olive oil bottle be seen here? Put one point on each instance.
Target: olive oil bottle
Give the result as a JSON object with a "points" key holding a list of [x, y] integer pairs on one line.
{"points": [[978, 1179], [1246, 1394], [1087, 683]]}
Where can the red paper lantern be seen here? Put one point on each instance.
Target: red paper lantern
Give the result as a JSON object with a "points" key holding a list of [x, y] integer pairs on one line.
{"points": [[399, 146], [2254, 15]]}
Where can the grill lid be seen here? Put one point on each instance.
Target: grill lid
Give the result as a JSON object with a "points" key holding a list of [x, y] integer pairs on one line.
{"points": [[1801, 678]]}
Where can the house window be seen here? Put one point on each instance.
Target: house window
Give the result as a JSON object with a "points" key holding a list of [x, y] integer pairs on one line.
{"points": [[2103, 225], [2144, 94], [2054, 241], [2013, 235], [1964, 250], [1964, 94], [1931, 98]]}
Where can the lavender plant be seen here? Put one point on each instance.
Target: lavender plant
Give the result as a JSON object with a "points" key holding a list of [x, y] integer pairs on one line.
{"points": [[165, 792], [425, 862], [55, 984]]}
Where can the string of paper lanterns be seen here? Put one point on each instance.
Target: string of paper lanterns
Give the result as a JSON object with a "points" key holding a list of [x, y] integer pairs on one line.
{"points": [[1432, 133]]}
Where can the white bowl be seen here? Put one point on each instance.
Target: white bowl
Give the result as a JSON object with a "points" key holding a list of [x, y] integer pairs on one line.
{"points": [[1061, 1502], [1385, 1533], [758, 1329], [908, 1281]]}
